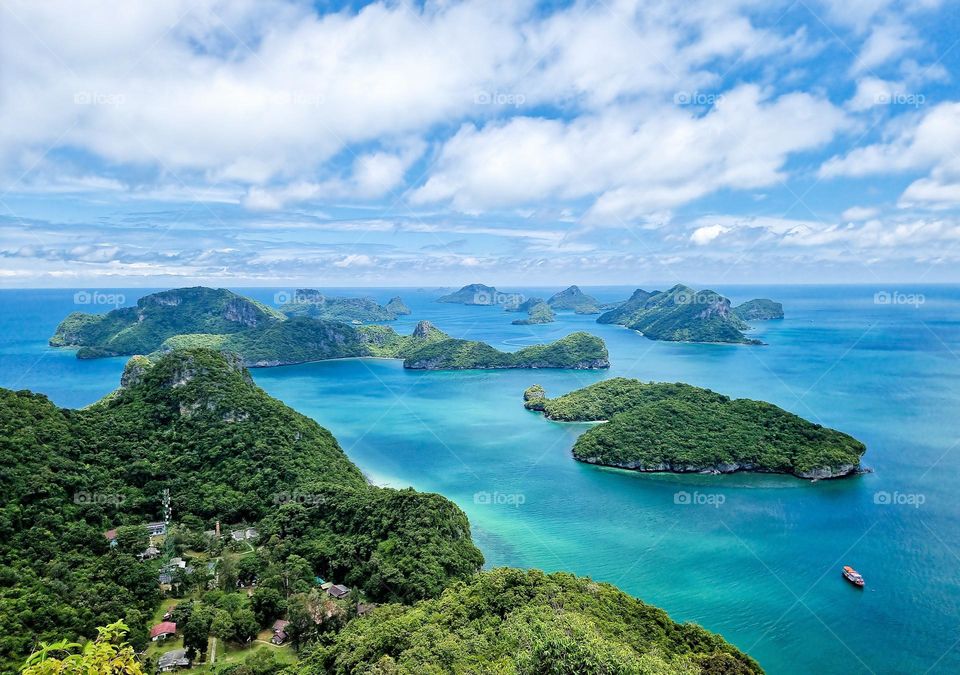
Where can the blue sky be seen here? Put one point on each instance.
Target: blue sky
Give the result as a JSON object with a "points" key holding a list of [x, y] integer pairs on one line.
{"points": [[257, 143]]}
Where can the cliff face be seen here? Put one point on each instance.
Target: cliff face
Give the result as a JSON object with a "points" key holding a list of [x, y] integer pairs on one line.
{"points": [[819, 473]]}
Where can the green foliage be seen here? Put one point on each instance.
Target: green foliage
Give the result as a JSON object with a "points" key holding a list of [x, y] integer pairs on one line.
{"points": [[267, 605], [312, 303], [142, 329], [193, 423], [108, 653], [680, 427], [759, 309], [394, 545], [577, 350], [471, 294], [576, 300], [537, 313], [203, 318], [515, 621], [680, 315]]}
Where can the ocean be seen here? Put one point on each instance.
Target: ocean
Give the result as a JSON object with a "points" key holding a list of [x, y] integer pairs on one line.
{"points": [[756, 558]]}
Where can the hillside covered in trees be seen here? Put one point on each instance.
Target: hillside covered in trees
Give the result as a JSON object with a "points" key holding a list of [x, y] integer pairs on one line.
{"points": [[192, 423]]}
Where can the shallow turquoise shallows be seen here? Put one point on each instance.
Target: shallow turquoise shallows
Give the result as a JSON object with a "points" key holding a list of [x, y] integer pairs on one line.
{"points": [[755, 558]]}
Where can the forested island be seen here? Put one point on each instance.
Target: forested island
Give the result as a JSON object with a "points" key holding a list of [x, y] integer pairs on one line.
{"points": [[683, 314], [262, 337], [575, 300], [189, 442], [313, 303], [680, 428], [471, 294], [537, 310]]}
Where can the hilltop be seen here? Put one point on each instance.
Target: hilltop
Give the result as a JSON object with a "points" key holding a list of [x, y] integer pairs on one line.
{"points": [[576, 300], [314, 304], [471, 294], [681, 428]]}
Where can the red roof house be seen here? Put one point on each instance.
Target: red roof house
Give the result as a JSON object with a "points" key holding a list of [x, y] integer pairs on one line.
{"points": [[163, 630]]}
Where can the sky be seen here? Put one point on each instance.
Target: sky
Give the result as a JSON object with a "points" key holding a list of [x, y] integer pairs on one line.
{"points": [[261, 142]]}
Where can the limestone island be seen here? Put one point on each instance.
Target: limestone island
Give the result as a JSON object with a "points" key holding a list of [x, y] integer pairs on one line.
{"points": [[313, 303], [679, 428], [575, 300], [262, 337], [472, 294], [683, 314], [537, 311]]}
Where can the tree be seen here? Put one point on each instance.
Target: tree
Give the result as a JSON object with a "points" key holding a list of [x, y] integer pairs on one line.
{"points": [[248, 568], [267, 605], [107, 654], [196, 631], [132, 539], [245, 624], [222, 625]]}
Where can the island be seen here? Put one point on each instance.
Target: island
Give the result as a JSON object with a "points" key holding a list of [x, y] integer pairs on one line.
{"points": [[472, 294], [675, 427], [190, 483], [311, 302], [759, 309], [537, 312], [575, 300], [262, 337], [577, 351], [683, 314], [398, 307]]}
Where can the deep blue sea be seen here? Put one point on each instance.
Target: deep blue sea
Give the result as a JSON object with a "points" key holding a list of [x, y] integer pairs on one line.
{"points": [[756, 558]]}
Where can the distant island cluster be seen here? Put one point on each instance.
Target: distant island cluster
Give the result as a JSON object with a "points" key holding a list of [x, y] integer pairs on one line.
{"points": [[300, 331], [680, 314]]}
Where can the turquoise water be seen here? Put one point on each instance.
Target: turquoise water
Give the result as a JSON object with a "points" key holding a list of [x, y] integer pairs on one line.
{"points": [[759, 558]]}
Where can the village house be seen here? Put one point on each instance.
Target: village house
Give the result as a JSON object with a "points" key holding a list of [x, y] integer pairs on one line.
{"points": [[279, 632], [247, 534], [338, 591], [173, 660], [156, 529], [149, 553], [163, 630]]}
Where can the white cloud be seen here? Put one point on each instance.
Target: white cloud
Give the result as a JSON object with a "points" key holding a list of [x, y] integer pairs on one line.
{"points": [[634, 164], [704, 235], [857, 213], [885, 42]]}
